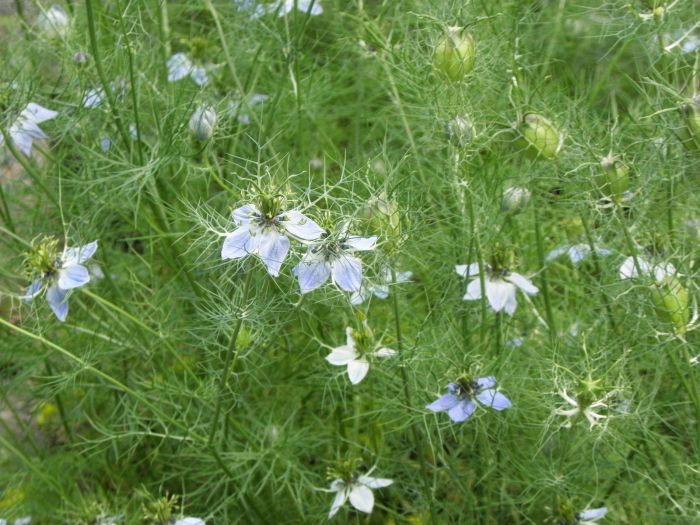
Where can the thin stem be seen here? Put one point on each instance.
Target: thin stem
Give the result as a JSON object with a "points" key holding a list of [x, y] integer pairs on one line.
{"points": [[543, 266], [26, 431], [111, 100], [417, 440], [231, 353], [61, 407]]}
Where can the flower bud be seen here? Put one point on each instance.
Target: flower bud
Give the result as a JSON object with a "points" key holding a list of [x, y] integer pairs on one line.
{"points": [[538, 137], [670, 300], [460, 131], [514, 199], [455, 55], [613, 180], [203, 123], [81, 58], [54, 22], [690, 135]]}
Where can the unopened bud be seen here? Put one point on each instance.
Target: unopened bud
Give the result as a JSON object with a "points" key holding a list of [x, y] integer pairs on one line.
{"points": [[670, 300], [81, 58], [455, 55], [203, 123], [461, 131], [53, 22], [514, 199], [538, 138], [613, 180], [690, 135]]}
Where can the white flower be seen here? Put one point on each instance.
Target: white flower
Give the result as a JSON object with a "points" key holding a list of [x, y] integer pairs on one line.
{"points": [[500, 287], [660, 271], [358, 491], [356, 361], [26, 128], [68, 273], [333, 259], [282, 7], [380, 289], [180, 66], [514, 199], [190, 521], [267, 238], [591, 516], [576, 252], [203, 123], [93, 98], [591, 415], [53, 22]]}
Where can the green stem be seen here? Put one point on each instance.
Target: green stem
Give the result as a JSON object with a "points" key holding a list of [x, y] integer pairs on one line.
{"points": [[543, 266], [26, 431], [691, 388], [231, 356], [417, 441], [61, 407], [111, 100]]}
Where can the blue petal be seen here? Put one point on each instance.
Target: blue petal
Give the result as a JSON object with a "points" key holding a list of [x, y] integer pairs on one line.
{"points": [[462, 410], [494, 399], [443, 404], [486, 382], [57, 301], [73, 277], [33, 290]]}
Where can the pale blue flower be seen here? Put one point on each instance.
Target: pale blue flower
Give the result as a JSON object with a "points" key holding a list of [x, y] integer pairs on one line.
{"points": [[190, 521], [68, 273], [591, 516], [461, 400], [180, 66], [267, 238], [25, 129], [500, 286], [380, 289], [333, 259], [576, 252]]}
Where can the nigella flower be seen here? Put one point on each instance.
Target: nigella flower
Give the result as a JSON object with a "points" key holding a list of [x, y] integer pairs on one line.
{"points": [[333, 258], [500, 284], [265, 233], [381, 289], [358, 490], [355, 354], [180, 66], [660, 271], [576, 252], [460, 401], [19, 521], [587, 408], [240, 107], [59, 274], [590, 516], [26, 128]]}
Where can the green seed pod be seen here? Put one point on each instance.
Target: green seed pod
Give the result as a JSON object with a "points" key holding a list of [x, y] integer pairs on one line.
{"points": [[670, 300], [690, 134], [613, 180], [514, 199], [538, 138], [455, 55]]}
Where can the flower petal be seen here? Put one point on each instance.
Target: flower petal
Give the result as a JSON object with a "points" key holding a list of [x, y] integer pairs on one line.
{"points": [[273, 249], [523, 283], [340, 498], [244, 214], [73, 277], [473, 291], [361, 243], [578, 253], [486, 382], [199, 75], [341, 355], [593, 514], [56, 297], [499, 293], [444, 403], [347, 273], [300, 226], [38, 113], [385, 352], [494, 399], [375, 483], [361, 498], [467, 270], [179, 66], [357, 370], [556, 253], [236, 244], [33, 290], [79, 254], [311, 272], [462, 410], [190, 521]]}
